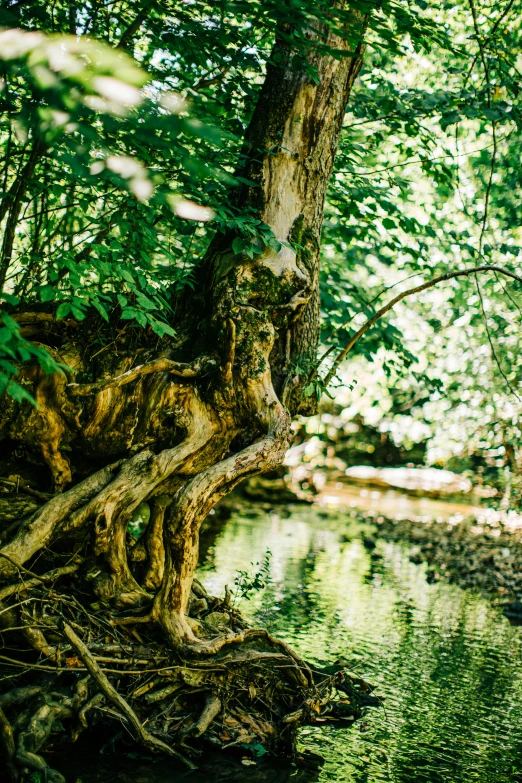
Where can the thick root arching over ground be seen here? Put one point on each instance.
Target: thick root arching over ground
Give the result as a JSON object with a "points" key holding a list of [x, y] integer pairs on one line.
{"points": [[70, 667]]}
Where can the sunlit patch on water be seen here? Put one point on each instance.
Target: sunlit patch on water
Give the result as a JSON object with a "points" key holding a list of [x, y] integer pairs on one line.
{"points": [[446, 661]]}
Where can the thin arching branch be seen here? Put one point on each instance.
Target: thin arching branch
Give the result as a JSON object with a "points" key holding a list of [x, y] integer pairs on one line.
{"points": [[484, 226], [341, 356], [417, 160], [482, 52], [490, 339], [489, 36], [368, 303]]}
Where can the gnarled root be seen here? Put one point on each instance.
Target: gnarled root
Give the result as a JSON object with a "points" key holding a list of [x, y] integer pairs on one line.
{"points": [[244, 689], [8, 748], [181, 667], [56, 706]]}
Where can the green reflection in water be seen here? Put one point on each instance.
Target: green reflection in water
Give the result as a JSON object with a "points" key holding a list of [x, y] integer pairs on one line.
{"points": [[447, 663]]}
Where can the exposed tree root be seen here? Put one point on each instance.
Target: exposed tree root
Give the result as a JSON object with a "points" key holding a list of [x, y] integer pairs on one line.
{"points": [[105, 686], [238, 689], [8, 748], [129, 638], [157, 365]]}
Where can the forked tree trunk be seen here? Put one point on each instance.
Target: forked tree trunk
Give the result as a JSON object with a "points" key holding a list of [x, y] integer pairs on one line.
{"points": [[197, 419]]}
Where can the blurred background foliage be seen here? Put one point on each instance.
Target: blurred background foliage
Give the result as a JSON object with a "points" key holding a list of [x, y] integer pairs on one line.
{"points": [[121, 127], [428, 181]]}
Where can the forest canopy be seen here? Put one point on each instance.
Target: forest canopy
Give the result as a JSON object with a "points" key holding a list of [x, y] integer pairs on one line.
{"points": [[100, 149], [112, 121]]}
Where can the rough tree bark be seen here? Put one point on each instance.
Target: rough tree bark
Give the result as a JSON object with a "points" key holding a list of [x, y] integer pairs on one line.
{"points": [[180, 429]]}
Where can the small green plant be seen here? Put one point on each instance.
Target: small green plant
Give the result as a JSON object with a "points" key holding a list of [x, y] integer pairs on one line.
{"points": [[246, 583]]}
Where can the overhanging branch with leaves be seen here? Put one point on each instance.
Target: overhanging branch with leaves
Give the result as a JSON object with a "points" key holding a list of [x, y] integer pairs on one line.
{"points": [[341, 356]]}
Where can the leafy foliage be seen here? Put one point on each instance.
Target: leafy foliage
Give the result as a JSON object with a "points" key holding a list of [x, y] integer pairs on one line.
{"points": [[121, 136], [427, 182]]}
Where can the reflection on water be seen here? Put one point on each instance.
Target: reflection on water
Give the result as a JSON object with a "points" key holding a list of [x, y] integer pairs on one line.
{"points": [[447, 663]]}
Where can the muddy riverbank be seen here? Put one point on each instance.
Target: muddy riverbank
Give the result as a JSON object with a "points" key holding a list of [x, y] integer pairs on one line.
{"points": [[466, 552]]}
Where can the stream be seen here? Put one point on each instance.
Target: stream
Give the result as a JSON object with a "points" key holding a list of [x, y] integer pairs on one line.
{"points": [[446, 662]]}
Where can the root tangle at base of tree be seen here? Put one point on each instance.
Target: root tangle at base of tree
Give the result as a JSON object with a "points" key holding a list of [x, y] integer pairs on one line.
{"points": [[252, 694]]}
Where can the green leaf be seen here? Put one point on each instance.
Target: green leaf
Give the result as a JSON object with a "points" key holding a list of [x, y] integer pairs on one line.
{"points": [[100, 308], [144, 301], [18, 393], [63, 310], [450, 118], [131, 313], [47, 293], [8, 367], [9, 298], [161, 328], [239, 245], [78, 314]]}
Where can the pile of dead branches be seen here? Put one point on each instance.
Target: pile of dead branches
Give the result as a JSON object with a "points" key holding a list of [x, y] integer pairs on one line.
{"points": [[68, 665]]}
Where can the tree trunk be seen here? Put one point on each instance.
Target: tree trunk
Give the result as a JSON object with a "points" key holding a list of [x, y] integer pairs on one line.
{"points": [[180, 429]]}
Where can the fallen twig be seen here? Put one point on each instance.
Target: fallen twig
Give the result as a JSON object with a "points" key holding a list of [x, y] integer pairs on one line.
{"points": [[27, 489], [21, 567], [35, 580], [112, 694]]}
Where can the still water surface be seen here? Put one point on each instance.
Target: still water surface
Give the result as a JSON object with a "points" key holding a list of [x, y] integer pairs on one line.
{"points": [[446, 662]]}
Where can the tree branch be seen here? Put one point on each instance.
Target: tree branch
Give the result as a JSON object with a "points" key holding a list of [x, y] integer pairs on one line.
{"points": [[156, 365], [387, 307], [135, 25], [12, 202], [489, 36], [482, 52], [490, 340]]}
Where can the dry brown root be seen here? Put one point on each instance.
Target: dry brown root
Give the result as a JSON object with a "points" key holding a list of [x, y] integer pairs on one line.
{"points": [[154, 544], [252, 692], [102, 681], [8, 748], [34, 736]]}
